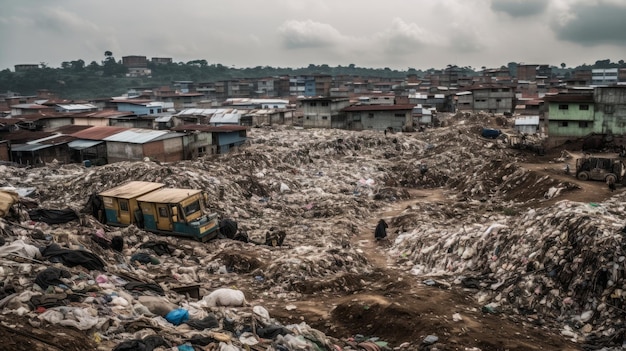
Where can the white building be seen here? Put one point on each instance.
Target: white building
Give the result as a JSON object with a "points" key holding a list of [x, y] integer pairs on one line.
{"points": [[604, 76]]}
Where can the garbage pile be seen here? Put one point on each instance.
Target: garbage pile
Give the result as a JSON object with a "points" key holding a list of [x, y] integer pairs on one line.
{"points": [[563, 263], [128, 288]]}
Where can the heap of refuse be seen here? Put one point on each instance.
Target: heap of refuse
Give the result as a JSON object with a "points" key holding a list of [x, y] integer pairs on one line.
{"points": [[563, 263], [128, 288]]}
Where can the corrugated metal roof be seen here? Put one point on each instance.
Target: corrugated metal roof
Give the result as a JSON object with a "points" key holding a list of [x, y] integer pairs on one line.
{"points": [[225, 118], [83, 144], [163, 119], [378, 108], [75, 107], [98, 133], [204, 111], [29, 147], [30, 106], [137, 136], [206, 128]]}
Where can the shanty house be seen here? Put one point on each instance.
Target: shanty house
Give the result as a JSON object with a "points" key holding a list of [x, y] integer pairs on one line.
{"points": [[379, 117], [89, 144], [198, 140], [41, 151], [136, 144]]}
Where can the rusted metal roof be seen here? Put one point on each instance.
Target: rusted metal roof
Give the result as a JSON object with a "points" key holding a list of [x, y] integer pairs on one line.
{"points": [[98, 133], [587, 98], [378, 107], [70, 129], [104, 114], [206, 128]]}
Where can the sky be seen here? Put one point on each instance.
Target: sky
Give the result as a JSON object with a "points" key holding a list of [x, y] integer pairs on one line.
{"points": [[398, 34]]}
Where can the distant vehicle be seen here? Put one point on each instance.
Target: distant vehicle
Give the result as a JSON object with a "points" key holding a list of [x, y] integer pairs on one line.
{"points": [[491, 133], [610, 170], [161, 210]]}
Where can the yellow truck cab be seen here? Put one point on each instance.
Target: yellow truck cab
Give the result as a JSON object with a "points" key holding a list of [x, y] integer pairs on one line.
{"points": [[161, 210]]}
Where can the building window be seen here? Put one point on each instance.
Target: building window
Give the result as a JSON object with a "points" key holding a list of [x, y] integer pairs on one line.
{"points": [[498, 100], [313, 104], [563, 124], [563, 107], [583, 124], [324, 117], [324, 103], [151, 111], [201, 150], [163, 211], [399, 114], [370, 115], [124, 205], [584, 107], [609, 108]]}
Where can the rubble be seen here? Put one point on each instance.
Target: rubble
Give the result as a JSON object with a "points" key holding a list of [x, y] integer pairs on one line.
{"points": [[489, 235]]}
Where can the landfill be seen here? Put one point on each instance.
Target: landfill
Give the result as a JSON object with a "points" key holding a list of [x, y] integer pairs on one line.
{"points": [[508, 239]]}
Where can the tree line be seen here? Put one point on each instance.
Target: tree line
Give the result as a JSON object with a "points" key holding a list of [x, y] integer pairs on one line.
{"points": [[78, 80]]}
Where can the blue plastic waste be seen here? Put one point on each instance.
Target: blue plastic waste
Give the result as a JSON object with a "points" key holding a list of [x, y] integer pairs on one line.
{"points": [[177, 316]]}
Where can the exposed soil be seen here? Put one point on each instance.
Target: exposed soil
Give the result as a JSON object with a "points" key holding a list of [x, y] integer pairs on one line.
{"points": [[397, 307]]}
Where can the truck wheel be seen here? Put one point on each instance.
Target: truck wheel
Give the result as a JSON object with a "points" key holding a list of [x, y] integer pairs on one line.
{"points": [[611, 178], [583, 176]]}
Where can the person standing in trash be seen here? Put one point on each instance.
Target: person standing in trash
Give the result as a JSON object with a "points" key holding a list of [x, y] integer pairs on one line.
{"points": [[275, 238], [381, 230], [611, 183]]}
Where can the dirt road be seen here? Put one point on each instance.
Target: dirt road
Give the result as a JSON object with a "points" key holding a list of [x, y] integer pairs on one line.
{"points": [[399, 308]]}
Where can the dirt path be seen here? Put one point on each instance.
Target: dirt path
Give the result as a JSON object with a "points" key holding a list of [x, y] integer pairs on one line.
{"points": [[397, 307], [589, 191]]}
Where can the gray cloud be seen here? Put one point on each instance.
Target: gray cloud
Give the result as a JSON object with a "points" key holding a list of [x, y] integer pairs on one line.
{"points": [[403, 37], [592, 25], [519, 8], [308, 34]]}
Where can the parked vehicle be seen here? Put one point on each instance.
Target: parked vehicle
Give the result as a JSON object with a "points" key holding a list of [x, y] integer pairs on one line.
{"points": [[491, 133], [161, 210], [598, 168]]}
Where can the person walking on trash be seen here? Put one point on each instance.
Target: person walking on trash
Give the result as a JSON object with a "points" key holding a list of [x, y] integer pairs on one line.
{"points": [[381, 230]]}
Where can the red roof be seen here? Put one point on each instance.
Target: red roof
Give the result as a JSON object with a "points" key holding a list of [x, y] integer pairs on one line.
{"points": [[104, 114], [379, 107], [70, 129], [98, 133], [23, 136]]}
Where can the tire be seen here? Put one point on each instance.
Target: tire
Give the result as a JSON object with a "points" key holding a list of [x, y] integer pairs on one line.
{"points": [[611, 178], [583, 176]]}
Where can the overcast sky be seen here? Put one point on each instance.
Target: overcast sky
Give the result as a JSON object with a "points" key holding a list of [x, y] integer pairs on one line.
{"points": [[295, 33]]}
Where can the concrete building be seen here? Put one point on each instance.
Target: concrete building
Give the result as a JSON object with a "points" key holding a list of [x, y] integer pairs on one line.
{"points": [[570, 116], [324, 112], [530, 72], [604, 76], [379, 117], [488, 97]]}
